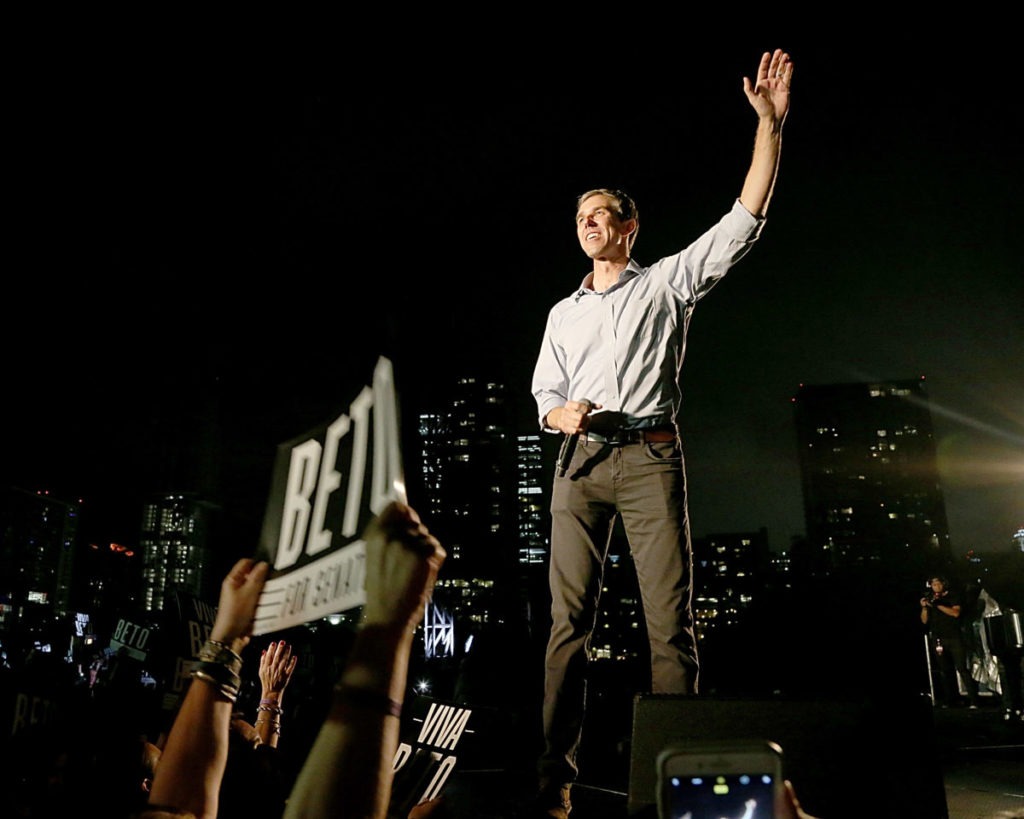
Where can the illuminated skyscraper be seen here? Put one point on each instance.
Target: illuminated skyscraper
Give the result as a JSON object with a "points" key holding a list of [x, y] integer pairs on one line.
{"points": [[433, 452], [729, 569], [174, 549], [468, 460], [468, 463], [38, 535], [532, 484], [870, 482]]}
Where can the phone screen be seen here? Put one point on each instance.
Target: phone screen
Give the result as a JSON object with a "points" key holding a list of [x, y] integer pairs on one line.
{"points": [[721, 796]]}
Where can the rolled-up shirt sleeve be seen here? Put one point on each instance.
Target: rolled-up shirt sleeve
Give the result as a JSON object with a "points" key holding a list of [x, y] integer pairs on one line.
{"points": [[695, 270], [622, 347], [550, 383]]}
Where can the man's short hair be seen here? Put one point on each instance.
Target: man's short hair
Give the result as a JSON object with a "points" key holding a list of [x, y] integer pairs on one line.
{"points": [[624, 206]]}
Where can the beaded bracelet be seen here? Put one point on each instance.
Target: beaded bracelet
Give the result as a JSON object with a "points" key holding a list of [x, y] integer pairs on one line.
{"points": [[364, 697], [272, 709]]}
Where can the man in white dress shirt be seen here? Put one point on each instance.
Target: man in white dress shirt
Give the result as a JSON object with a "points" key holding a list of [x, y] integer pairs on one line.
{"points": [[608, 376]]}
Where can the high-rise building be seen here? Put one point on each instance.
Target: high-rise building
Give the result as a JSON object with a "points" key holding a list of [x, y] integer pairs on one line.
{"points": [[174, 549], [870, 481], [468, 465], [433, 430], [532, 485], [729, 569], [38, 535], [620, 631]]}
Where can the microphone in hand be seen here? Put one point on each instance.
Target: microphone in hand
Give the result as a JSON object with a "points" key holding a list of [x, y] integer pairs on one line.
{"points": [[569, 444]]}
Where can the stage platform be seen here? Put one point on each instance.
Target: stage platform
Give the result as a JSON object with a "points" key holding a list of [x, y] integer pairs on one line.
{"points": [[981, 761]]}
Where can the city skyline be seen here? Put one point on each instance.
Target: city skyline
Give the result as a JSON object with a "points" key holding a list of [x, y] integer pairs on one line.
{"points": [[249, 252]]}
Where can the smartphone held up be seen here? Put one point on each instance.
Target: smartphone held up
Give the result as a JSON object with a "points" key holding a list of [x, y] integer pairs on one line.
{"points": [[737, 780]]}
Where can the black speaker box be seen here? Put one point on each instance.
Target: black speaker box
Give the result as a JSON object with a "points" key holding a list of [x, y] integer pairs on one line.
{"points": [[845, 758]]}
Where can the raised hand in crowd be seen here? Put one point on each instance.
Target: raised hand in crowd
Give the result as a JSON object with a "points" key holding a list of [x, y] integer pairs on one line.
{"points": [[188, 778], [277, 662], [348, 772]]}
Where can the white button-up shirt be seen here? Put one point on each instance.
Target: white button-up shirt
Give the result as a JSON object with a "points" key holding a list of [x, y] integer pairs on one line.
{"points": [[623, 348]]}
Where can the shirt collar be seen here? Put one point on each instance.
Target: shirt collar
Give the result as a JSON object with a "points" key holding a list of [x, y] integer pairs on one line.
{"points": [[631, 269]]}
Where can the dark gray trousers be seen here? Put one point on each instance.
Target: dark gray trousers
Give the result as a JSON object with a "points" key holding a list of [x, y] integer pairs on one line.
{"points": [[645, 483], [952, 659]]}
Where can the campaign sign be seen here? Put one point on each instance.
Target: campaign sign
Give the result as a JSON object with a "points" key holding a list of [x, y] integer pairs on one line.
{"points": [[189, 623], [327, 486], [434, 736], [134, 638]]}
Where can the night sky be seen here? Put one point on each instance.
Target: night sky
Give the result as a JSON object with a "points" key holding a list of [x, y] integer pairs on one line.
{"points": [[220, 257]]}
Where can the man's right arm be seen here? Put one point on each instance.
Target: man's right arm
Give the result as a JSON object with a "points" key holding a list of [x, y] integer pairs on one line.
{"points": [[550, 384], [556, 411]]}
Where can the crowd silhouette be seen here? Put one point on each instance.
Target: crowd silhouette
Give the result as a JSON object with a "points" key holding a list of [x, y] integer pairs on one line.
{"points": [[256, 735]]}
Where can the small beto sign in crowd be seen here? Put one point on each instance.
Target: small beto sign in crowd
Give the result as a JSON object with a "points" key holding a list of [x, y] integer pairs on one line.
{"points": [[327, 484]]}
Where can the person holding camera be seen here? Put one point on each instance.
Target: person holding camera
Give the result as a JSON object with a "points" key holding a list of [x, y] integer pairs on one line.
{"points": [[940, 614]]}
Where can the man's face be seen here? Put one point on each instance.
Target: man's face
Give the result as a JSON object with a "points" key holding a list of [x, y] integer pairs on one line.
{"points": [[600, 232], [937, 585]]}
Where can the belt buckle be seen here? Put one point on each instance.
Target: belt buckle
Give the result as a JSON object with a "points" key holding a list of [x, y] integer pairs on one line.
{"points": [[621, 437]]}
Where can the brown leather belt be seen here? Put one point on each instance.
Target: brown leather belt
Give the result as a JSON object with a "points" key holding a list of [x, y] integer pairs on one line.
{"points": [[622, 437]]}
